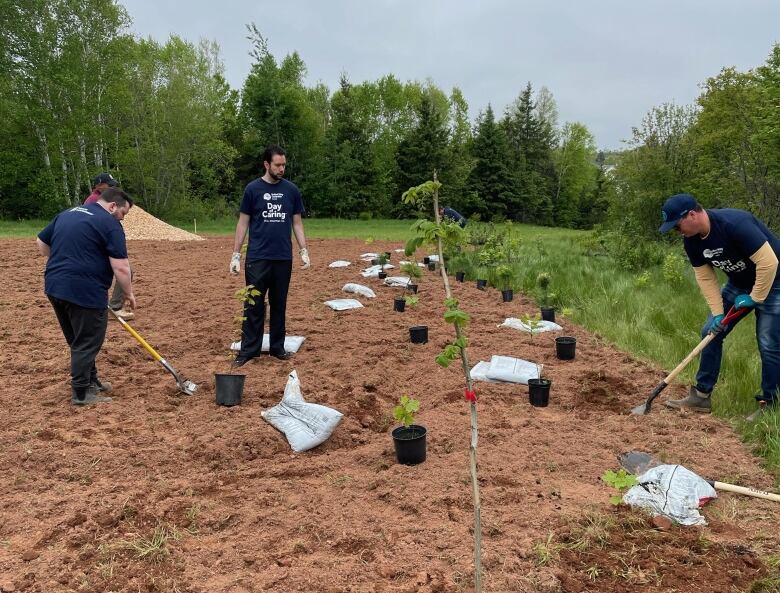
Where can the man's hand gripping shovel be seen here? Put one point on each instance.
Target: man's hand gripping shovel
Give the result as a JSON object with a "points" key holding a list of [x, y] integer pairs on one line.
{"points": [[184, 385], [732, 315]]}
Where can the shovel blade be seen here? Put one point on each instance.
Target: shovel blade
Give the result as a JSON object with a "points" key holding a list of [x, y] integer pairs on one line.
{"points": [[641, 410], [645, 407]]}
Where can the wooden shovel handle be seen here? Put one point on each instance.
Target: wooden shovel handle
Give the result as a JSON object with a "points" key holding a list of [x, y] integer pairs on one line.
{"points": [[732, 315], [747, 491]]}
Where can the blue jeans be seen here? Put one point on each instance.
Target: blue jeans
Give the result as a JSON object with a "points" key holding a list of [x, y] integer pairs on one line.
{"points": [[767, 336]]}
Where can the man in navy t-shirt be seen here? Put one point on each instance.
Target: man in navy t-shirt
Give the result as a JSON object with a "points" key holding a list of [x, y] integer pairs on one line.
{"points": [[451, 213], [270, 211], [86, 249], [743, 248]]}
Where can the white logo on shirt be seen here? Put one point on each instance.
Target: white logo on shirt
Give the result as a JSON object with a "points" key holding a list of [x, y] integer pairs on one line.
{"points": [[710, 253], [266, 197], [80, 209]]}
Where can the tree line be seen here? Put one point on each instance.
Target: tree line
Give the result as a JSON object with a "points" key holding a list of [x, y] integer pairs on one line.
{"points": [[80, 95]]}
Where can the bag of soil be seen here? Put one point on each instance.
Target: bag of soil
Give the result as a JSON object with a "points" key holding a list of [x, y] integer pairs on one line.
{"points": [[512, 370], [291, 343], [304, 424], [541, 325], [359, 289], [344, 304], [339, 263]]}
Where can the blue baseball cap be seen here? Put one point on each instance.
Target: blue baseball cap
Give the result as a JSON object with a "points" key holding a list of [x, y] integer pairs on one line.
{"points": [[674, 209]]}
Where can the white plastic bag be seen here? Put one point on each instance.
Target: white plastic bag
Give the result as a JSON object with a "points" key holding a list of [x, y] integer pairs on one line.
{"points": [[512, 370], [541, 325], [369, 256], [340, 263], [371, 272], [673, 491], [344, 304], [433, 258], [305, 425], [397, 281], [478, 372], [359, 289], [291, 343]]}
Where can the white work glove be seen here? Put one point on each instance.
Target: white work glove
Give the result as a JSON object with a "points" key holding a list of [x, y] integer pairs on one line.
{"points": [[304, 253], [235, 263]]}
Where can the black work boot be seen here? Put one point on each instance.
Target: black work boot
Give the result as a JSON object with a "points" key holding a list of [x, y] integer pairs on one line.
{"points": [[764, 407], [102, 386], [87, 397], [696, 400]]}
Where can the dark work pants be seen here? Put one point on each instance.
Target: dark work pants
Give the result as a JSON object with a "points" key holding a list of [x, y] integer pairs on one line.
{"points": [[271, 277], [84, 330]]}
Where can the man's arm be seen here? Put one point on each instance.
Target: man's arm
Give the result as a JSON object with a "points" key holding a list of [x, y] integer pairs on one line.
{"points": [[300, 238], [241, 228], [708, 284], [43, 248], [766, 270], [121, 268]]}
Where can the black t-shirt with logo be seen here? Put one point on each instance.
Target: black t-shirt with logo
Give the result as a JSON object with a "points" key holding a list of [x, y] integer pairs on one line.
{"points": [[81, 241], [271, 207], [734, 236]]}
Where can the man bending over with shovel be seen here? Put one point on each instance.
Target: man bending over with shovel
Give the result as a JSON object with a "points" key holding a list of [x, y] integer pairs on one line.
{"points": [[86, 249], [743, 248]]}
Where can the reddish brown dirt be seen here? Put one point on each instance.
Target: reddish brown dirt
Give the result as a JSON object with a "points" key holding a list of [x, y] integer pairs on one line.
{"points": [[80, 486]]}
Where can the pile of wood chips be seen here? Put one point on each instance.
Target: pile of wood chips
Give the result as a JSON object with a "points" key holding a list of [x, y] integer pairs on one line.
{"points": [[139, 224]]}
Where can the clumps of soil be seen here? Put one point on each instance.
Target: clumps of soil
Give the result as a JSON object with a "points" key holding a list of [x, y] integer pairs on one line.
{"points": [[139, 224], [600, 391], [622, 550]]}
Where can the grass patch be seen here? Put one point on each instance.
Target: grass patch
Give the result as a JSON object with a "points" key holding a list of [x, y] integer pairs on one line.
{"points": [[153, 548]]}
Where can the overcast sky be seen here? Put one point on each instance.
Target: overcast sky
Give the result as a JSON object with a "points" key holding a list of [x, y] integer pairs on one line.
{"points": [[606, 62]]}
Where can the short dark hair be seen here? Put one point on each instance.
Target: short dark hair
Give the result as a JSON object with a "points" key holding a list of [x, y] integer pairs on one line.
{"points": [[117, 196], [271, 151]]}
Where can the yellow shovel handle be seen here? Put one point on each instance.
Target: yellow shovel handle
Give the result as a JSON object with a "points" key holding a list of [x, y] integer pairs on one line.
{"points": [[135, 334]]}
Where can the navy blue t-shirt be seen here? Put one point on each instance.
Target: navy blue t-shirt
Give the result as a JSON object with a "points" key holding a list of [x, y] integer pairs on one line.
{"points": [[455, 215], [81, 240], [734, 236], [271, 207]]}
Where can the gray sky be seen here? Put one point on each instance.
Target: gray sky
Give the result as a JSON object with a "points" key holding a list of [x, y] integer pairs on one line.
{"points": [[606, 62]]}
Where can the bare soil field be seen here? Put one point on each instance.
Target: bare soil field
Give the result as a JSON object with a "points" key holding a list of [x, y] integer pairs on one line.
{"points": [[158, 491]]}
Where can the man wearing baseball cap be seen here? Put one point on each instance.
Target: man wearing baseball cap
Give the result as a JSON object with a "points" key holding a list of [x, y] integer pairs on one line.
{"points": [[746, 251], [101, 183]]}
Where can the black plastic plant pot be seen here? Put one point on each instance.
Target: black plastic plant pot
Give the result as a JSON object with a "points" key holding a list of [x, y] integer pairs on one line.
{"points": [[399, 303], [418, 334], [432, 266], [507, 295], [564, 347], [410, 444], [382, 275], [539, 392], [548, 313], [229, 389], [460, 276], [426, 260], [412, 288], [481, 284]]}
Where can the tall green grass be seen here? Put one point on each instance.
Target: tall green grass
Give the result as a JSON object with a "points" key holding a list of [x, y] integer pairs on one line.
{"points": [[653, 314]]}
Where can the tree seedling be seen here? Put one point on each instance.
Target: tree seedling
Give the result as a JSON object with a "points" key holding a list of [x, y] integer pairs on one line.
{"points": [[405, 410], [244, 296], [543, 281], [621, 481]]}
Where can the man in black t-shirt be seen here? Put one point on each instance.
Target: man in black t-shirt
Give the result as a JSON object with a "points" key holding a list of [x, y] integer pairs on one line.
{"points": [[270, 211], [743, 248], [86, 249]]}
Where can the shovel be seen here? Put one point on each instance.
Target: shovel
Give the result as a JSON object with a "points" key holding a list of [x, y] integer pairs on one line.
{"points": [[638, 462], [644, 408], [185, 386]]}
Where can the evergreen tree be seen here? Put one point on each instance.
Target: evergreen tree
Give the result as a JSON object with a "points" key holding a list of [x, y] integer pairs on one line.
{"points": [[491, 178]]}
